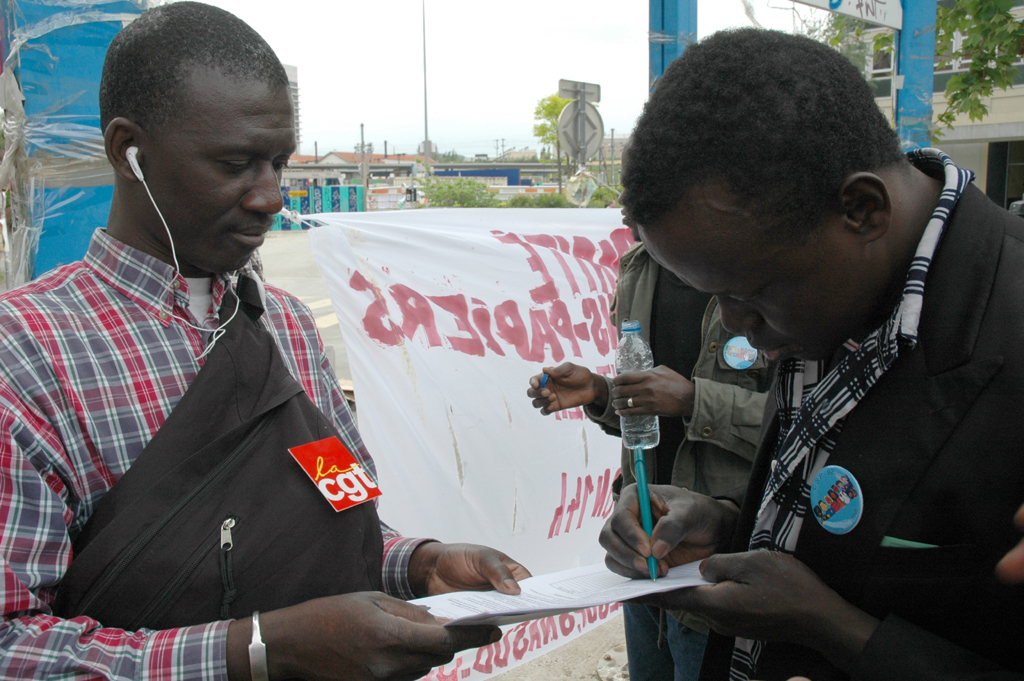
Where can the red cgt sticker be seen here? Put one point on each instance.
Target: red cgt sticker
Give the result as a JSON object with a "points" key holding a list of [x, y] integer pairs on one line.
{"points": [[336, 473]]}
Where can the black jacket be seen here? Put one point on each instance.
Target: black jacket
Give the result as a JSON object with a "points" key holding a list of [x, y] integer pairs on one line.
{"points": [[938, 448]]}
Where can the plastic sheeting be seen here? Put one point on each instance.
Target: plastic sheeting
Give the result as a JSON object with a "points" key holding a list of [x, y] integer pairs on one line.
{"points": [[61, 184]]}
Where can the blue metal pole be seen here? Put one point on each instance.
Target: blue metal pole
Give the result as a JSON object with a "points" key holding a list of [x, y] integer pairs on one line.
{"points": [[655, 38], [916, 64], [673, 26]]}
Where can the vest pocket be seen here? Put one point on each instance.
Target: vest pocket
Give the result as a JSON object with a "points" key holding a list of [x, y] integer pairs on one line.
{"points": [[214, 540]]}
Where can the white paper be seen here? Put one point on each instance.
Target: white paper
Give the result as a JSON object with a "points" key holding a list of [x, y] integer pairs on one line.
{"points": [[553, 594]]}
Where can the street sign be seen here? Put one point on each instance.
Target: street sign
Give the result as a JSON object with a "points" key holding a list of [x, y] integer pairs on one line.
{"points": [[571, 89], [884, 12], [580, 131]]}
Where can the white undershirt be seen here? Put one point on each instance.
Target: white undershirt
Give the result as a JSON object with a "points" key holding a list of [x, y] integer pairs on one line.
{"points": [[200, 297]]}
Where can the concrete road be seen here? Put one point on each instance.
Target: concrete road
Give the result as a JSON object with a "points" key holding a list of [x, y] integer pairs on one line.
{"points": [[590, 657], [288, 263]]}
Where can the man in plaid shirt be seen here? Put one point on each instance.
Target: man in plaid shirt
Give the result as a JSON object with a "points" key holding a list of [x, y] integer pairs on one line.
{"points": [[94, 356]]}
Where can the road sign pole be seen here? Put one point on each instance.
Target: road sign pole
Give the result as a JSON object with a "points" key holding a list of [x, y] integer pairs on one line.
{"points": [[673, 25], [915, 66], [581, 127]]}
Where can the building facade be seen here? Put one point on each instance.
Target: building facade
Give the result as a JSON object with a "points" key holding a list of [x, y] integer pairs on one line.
{"points": [[293, 88], [992, 147]]}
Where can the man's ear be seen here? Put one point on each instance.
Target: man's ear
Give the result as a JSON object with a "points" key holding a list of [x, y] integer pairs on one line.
{"points": [[121, 134], [866, 205]]}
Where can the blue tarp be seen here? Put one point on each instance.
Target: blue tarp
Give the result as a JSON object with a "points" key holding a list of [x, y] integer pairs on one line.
{"points": [[56, 50]]}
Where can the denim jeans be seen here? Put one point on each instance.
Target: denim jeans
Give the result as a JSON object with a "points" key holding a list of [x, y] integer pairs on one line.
{"points": [[679, 659]]}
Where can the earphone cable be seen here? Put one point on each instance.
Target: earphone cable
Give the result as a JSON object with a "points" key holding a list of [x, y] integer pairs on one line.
{"points": [[218, 332]]}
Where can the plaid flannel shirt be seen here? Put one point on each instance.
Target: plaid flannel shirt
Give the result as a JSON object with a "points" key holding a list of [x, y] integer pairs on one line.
{"points": [[812, 407], [93, 358]]}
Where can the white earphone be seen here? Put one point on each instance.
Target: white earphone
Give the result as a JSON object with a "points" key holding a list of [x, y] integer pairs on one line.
{"points": [[133, 161], [132, 154], [294, 216]]}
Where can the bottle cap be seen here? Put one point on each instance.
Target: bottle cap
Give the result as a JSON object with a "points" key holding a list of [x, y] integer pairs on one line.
{"points": [[630, 325]]}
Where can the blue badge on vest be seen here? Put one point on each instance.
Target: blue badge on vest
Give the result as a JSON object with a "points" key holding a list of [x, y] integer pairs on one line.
{"points": [[739, 354], [836, 499]]}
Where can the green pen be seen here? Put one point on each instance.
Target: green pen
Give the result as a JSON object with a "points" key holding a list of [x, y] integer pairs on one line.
{"points": [[645, 505]]}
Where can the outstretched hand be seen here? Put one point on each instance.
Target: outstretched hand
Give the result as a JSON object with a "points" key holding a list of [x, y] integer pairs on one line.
{"points": [[772, 596], [569, 385], [1011, 568], [356, 637], [437, 568]]}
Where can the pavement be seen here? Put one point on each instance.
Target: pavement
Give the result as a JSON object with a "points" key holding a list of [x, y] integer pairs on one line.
{"points": [[288, 263]]}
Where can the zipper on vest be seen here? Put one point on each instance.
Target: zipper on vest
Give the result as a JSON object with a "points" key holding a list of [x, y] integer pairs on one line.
{"points": [[183, 575], [227, 573], [136, 547]]}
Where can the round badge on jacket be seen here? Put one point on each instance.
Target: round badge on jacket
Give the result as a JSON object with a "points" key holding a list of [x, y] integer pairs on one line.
{"points": [[836, 499], [739, 354]]}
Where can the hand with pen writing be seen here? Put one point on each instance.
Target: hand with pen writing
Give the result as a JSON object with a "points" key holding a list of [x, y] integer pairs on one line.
{"points": [[687, 527]]}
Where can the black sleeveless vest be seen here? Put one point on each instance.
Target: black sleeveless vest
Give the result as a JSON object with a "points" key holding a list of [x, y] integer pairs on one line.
{"points": [[215, 519]]}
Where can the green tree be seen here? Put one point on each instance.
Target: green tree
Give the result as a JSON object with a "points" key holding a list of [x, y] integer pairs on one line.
{"points": [[460, 192], [451, 157], [983, 36], [539, 201], [844, 33], [993, 39], [545, 127], [603, 196]]}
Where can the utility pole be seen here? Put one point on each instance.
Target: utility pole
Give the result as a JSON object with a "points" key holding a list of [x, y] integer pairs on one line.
{"points": [[426, 133], [385, 150], [362, 163], [914, 75], [316, 153], [673, 26], [612, 183], [558, 157], [503, 147], [496, 157]]}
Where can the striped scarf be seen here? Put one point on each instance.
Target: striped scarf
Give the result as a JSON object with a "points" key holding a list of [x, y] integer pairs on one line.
{"points": [[812, 408]]}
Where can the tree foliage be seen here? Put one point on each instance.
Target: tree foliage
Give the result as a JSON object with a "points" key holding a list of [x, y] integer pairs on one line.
{"points": [[545, 116], [545, 127], [992, 39], [460, 192], [603, 196], [546, 200], [844, 33], [982, 36], [451, 157]]}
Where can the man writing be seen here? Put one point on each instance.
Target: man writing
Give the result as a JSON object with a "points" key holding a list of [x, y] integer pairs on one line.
{"points": [[708, 425], [95, 356], [889, 289]]}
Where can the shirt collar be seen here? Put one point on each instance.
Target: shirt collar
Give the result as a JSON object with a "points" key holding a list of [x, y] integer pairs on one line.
{"points": [[149, 282]]}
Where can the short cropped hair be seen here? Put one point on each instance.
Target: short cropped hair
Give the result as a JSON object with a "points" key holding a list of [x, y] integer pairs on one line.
{"points": [[780, 119], [150, 60]]}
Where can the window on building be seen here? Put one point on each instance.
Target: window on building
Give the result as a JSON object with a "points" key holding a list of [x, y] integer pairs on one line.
{"points": [[1015, 173]]}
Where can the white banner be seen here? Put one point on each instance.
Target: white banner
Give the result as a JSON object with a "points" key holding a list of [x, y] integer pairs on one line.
{"points": [[884, 12], [446, 313]]}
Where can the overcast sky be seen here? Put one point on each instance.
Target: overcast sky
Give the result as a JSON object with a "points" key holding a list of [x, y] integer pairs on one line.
{"points": [[361, 61]]}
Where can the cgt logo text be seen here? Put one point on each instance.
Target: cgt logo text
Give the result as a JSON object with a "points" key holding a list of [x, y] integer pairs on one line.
{"points": [[336, 473], [353, 482]]}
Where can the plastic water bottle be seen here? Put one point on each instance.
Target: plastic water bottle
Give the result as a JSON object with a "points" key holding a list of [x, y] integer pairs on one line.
{"points": [[634, 354]]}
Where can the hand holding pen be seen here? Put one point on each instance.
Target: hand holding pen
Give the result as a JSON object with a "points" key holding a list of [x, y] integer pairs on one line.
{"points": [[687, 527]]}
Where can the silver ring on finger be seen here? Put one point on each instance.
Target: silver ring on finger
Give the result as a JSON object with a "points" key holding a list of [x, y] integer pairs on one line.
{"points": [[629, 403]]}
